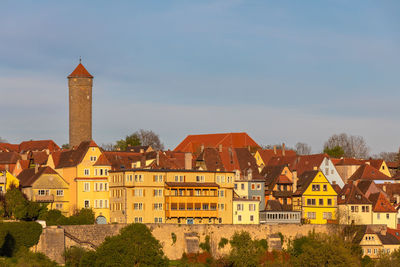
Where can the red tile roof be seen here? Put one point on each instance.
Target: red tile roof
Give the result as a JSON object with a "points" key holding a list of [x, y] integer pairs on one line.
{"points": [[28, 176], [300, 163], [380, 203], [38, 145], [376, 163], [102, 161], [351, 194], [347, 161], [193, 143], [9, 157], [71, 158], [267, 154], [367, 172], [80, 72], [6, 147]]}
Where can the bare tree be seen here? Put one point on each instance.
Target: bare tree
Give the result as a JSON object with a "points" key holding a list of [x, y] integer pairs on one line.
{"points": [[108, 147], [302, 148], [353, 146], [149, 138], [386, 156]]}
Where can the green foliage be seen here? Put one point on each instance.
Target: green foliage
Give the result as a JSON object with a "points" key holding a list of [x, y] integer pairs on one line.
{"points": [[134, 246], [222, 242], [245, 252], [14, 235], [82, 217], [130, 140], [205, 246], [281, 236], [173, 236], [88, 259], [73, 256], [262, 243], [322, 250], [18, 207], [335, 152], [387, 260], [26, 258]]}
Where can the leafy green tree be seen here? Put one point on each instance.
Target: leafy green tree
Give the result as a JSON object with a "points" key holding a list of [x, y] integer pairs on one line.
{"points": [[134, 246], [141, 137], [14, 235], [130, 140], [244, 251], [322, 250], [73, 256], [26, 258], [16, 203], [335, 152]]}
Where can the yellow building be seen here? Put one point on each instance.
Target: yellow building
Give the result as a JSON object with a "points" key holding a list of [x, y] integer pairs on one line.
{"points": [[245, 211], [374, 244], [6, 180], [45, 185], [171, 196], [353, 206], [315, 198], [382, 211], [86, 170]]}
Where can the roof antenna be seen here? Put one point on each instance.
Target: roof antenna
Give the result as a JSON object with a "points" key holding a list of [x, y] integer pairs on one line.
{"points": [[80, 59]]}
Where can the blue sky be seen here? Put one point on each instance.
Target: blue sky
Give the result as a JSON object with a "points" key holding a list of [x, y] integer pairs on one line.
{"points": [[283, 71]]}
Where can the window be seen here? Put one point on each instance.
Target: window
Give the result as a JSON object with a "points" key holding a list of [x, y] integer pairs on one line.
{"points": [[138, 219], [235, 186], [311, 202], [157, 206], [42, 192], [252, 207], [325, 187], [239, 206], [86, 187], [311, 215], [101, 171], [315, 187], [221, 193], [240, 218], [221, 206], [375, 251], [87, 204], [326, 171], [321, 202], [242, 186], [387, 216], [378, 215], [327, 215], [87, 172], [222, 179], [258, 187], [329, 202], [251, 218], [138, 192], [93, 158], [137, 206], [60, 192], [369, 251], [199, 178], [253, 186], [59, 206]]}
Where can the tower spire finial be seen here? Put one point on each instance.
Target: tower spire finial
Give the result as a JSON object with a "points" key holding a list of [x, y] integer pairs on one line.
{"points": [[80, 59]]}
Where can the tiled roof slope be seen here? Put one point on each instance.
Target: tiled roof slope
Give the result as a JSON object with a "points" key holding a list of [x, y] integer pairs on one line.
{"points": [[73, 157], [267, 154], [352, 195], [80, 72], [38, 145], [28, 176], [367, 172], [9, 157], [380, 203], [304, 180], [193, 143]]}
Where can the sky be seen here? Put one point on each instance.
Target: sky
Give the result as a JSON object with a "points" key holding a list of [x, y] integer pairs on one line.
{"points": [[282, 71]]}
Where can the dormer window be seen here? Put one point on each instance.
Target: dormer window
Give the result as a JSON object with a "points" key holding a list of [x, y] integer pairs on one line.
{"points": [[343, 197]]}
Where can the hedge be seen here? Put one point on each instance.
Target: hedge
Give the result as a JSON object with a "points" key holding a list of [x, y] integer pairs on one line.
{"points": [[14, 235]]}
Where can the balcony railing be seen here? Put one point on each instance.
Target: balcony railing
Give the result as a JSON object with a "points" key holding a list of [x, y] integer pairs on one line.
{"points": [[191, 213], [44, 198]]}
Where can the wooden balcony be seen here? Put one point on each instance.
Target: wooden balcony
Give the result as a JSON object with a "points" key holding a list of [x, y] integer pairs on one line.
{"points": [[191, 199], [45, 198]]}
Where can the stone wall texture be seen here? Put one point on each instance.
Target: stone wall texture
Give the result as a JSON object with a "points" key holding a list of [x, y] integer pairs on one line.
{"points": [[91, 236]]}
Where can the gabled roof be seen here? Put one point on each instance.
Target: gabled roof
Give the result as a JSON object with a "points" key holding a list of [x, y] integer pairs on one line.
{"points": [[28, 176], [267, 154], [304, 181], [122, 160], [40, 157], [80, 72], [193, 143], [380, 203], [9, 157], [337, 188], [6, 147], [73, 157], [38, 145], [367, 172], [388, 239], [212, 159], [376, 163], [139, 149], [352, 195], [301, 163], [394, 232], [273, 205]]}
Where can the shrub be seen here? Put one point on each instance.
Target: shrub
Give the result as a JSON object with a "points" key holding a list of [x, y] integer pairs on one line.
{"points": [[73, 256], [173, 236], [14, 235], [222, 242], [205, 246]]}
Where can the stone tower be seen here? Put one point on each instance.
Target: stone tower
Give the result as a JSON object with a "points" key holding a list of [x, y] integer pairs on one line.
{"points": [[80, 83]]}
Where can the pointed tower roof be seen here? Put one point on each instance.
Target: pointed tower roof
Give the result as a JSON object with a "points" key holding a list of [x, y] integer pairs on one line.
{"points": [[80, 72]]}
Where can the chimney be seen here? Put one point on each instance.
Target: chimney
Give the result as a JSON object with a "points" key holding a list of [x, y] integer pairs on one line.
{"points": [[36, 168], [7, 167], [202, 148], [283, 149], [274, 149], [157, 158], [188, 161], [220, 148]]}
